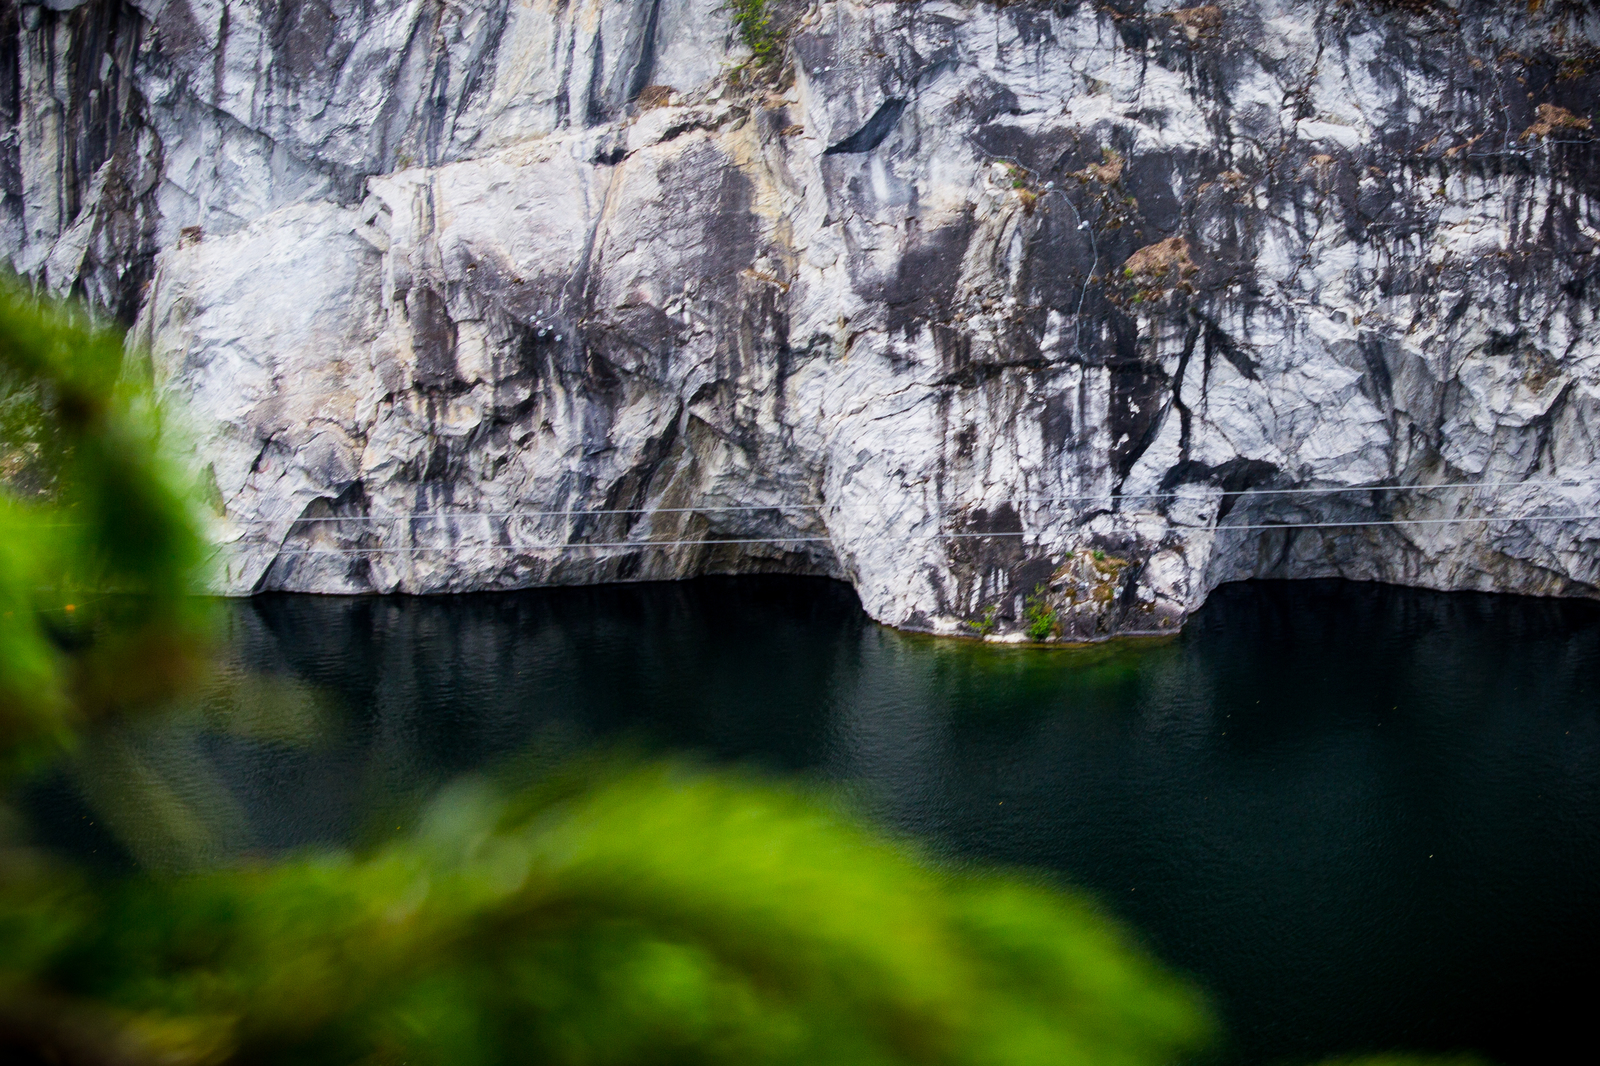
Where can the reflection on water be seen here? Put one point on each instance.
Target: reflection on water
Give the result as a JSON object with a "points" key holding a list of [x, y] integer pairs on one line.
{"points": [[1364, 817]]}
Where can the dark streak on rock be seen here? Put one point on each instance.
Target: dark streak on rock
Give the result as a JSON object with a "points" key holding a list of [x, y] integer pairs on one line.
{"points": [[872, 134]]}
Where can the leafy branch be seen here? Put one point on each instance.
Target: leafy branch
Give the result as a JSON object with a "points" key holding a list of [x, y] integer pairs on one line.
{"points": [[755, 26]]}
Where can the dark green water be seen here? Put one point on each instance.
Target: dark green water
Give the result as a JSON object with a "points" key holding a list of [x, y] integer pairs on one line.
{"points": [[1362, 817]]}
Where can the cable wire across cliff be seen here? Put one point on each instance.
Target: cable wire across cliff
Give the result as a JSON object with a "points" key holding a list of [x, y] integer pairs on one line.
{"points": [[797, 539]]}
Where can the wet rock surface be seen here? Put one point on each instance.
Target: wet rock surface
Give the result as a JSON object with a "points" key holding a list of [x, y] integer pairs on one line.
{"points": [[993, 311]]}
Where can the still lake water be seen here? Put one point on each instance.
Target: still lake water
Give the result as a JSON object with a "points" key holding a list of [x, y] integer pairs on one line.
{"points": [[1362, 817]]}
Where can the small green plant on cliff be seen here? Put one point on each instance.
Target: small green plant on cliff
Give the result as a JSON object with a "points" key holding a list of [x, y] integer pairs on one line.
{"points": [[985, 622], [1040, 616], [755, 26]]}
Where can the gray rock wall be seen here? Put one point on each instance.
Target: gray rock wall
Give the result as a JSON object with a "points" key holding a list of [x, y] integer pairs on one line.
{"points": [[963, 303]]}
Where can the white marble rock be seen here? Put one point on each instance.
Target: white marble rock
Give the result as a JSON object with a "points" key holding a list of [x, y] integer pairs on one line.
{"points": [[441, 288]]}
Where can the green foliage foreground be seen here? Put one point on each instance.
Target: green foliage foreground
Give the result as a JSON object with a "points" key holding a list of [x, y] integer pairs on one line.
{"points": [[614, 916], [616, 912], [88, 504]]}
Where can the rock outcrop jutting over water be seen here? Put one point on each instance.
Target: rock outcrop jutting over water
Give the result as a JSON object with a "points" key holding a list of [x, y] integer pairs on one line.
{"points": [[968, 304]]}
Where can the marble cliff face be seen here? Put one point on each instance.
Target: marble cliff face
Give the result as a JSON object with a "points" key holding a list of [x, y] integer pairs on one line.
{"points": [[968, 304]]}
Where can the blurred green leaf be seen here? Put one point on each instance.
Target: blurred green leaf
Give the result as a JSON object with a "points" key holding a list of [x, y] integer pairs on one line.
{"points": [[636, 914], [90, 505]]}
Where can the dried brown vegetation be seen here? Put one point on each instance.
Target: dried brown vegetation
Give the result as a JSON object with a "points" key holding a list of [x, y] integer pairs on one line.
{"points": [[1551, 118]]}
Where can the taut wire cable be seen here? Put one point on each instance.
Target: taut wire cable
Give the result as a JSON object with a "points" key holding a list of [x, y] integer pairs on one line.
{"points": [[1078, 498], [923, 538]]}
